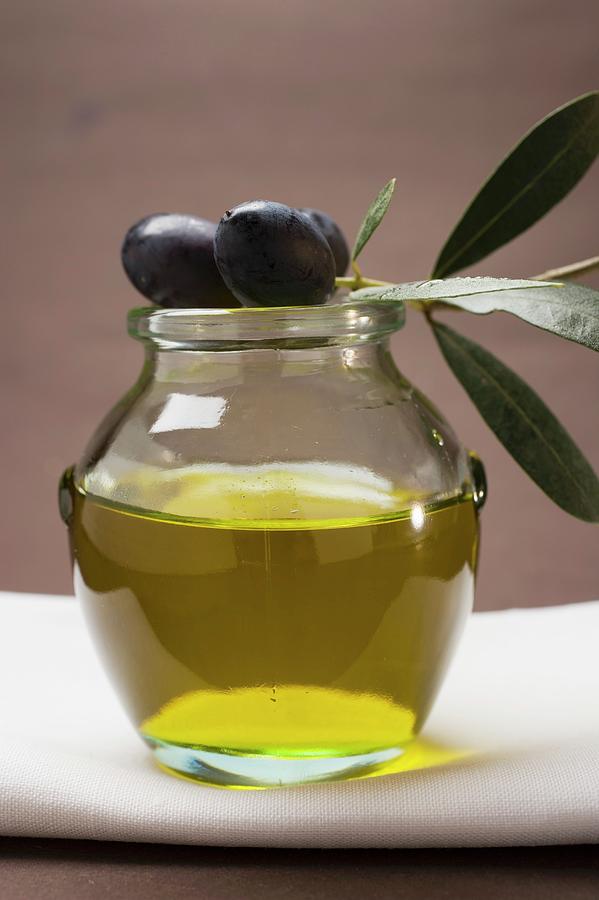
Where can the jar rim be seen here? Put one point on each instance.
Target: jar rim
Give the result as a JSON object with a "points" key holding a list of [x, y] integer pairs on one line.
{"points": [[341, 322]]}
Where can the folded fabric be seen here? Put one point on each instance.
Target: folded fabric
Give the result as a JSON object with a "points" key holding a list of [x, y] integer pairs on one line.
{"points": [[510, 754]]}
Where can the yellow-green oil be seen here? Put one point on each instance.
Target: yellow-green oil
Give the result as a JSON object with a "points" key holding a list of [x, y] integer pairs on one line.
{"points": [[284, 637]]}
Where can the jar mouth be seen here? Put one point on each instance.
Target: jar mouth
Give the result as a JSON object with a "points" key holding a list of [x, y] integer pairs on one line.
{"points": [[340, 322]]}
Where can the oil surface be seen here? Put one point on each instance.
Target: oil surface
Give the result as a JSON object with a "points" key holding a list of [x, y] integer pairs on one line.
{"points": [[281, 636]]}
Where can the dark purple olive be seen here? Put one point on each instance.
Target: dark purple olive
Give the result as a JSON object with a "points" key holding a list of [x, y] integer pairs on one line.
{"points": [[272, 255], [169, 258], [334, 235]]}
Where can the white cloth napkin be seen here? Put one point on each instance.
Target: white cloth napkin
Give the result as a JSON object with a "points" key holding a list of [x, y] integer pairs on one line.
{"points": [[523, 693]]}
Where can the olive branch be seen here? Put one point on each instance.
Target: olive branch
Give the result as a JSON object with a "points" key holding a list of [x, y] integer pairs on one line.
{"points": [[541, 169]]}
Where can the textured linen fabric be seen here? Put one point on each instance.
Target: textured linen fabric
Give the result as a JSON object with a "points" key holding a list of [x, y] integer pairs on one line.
{"points": [[521, 699]]}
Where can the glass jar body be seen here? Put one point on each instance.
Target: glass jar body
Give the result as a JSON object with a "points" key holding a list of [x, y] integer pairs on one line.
{"points": [[275, 550]]}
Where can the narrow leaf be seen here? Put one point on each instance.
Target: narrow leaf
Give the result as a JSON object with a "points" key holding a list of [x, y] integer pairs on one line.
{"points": [[536, 175], [445, 289], [373, 217], [524, 425], [568, 310]]}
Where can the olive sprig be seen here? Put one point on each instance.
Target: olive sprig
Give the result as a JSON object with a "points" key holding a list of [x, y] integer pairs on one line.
{"points": [[543, 167], [267, 254]]}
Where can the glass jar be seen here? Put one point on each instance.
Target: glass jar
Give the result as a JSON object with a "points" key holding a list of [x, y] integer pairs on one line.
{"points": [[274, 540]]}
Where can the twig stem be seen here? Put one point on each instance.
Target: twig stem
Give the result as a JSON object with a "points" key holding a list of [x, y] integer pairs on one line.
{"points": [[571, 271]]}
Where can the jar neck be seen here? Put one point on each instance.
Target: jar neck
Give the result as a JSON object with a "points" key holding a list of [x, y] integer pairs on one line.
{"points": [[341, 325], [211, 366]]}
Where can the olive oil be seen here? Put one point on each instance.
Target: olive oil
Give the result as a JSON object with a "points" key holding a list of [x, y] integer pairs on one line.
{"points": [[268, 630]]}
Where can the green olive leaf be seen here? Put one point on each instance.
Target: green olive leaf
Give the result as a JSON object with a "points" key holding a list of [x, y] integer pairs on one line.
{"points": [[373, 217], [570, 311], [445, 289], [524, 425], [538, 173]]}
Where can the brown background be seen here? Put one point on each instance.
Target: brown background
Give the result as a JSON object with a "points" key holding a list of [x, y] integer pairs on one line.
{"points": [[112, 110]]}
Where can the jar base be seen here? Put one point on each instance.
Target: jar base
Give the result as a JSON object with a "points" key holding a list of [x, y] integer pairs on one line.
{"points": [[231, 770]]}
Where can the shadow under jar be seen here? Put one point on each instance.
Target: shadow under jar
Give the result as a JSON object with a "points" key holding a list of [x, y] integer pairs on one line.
{"points": [[274, 540]]}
